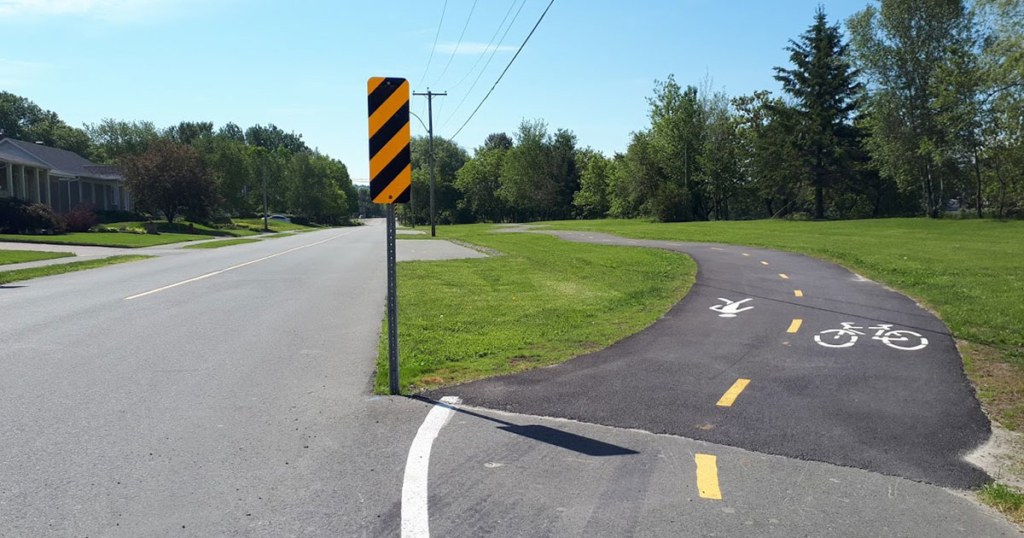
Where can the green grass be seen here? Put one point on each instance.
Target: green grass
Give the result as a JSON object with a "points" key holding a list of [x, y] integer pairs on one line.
{"points": [[182, 227], [543, 301], [59, 269], [104, 239], [969, 271], [21, 256], [222, 243], [1005, 499], [276, 225]]}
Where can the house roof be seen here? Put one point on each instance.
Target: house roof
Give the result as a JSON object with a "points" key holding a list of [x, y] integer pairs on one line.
{"points": [[63, 161]]}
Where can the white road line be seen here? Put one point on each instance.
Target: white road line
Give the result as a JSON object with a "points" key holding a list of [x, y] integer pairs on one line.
{"points": [[233, 267], [415, 513]]}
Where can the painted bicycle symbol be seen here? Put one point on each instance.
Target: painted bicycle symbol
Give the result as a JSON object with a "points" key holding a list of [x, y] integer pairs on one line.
{"points": [[847, 337]]}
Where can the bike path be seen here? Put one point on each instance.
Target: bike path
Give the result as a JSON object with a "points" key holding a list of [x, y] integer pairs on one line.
{"points": [[871, 406]]}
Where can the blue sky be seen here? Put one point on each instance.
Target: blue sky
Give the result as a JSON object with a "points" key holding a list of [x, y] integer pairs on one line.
{"points": [[303, 64]]}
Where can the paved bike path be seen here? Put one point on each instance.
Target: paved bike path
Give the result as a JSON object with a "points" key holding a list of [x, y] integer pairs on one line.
{"points": [[898, 412]]}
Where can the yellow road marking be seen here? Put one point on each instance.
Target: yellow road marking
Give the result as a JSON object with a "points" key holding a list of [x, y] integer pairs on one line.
{"points": [[764, 263], [798, 293], [795, 325], [233, 267], [707, 476], [730, 395], [784, 276]]}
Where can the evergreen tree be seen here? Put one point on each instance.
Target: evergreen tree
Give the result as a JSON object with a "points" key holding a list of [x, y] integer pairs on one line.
{"points": [[825, 88]]}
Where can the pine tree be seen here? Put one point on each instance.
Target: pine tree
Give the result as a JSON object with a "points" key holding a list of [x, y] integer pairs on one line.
{"points": [[823, 83]]}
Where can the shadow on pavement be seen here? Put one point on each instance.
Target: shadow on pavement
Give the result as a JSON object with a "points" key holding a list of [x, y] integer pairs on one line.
{"points": [[544, 434]]}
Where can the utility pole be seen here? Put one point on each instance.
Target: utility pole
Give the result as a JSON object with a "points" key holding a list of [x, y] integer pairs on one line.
{"points": [[263, 168], [430, 134]]}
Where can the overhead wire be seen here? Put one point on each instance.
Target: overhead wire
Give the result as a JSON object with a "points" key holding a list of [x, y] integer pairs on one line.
{"points": [[434, 48], [487, 48], [482, 71], [502, 75], [457, 43]]}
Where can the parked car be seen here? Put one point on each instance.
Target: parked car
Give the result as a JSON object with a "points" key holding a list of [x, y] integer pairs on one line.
{"points": [[280, 218]]}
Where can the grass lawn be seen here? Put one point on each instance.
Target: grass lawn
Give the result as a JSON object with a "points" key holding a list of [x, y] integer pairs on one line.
{"points": [[222, 243], [181, 227], [101, 239], [61, 268], [22, 256], [543, 301], [276, 225]]}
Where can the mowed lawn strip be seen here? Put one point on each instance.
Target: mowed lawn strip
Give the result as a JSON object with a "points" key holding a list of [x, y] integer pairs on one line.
{"points": [[276, 225], [22, 256], [969, 271], [105, 239], [542, 301], [222, 243], [7, 277]]}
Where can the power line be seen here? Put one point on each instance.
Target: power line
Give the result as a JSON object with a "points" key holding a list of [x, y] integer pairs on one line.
{"points": [[487, 48], [506, 69], [432, 49], [457, 43], [482, 71]]}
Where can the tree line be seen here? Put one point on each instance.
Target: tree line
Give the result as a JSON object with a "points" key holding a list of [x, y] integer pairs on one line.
{"points": [[196, 170], [918, 109]]}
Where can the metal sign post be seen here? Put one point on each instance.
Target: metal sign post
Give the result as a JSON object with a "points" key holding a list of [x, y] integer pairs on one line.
{"points": [[392, 307], [390, 183]]}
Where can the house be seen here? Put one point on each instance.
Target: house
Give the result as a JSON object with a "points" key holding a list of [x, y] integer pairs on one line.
{"points": [[59, 178]]}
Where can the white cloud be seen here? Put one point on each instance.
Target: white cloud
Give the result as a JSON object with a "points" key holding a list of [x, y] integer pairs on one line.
{"points": [[468, 48], [107, 10]]}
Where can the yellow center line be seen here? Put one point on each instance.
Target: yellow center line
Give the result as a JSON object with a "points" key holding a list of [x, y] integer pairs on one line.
{"points": [[795, 325], [784, 276], [798, 293], [734, 391], [233, 267], [707, 476], [764, 263]]}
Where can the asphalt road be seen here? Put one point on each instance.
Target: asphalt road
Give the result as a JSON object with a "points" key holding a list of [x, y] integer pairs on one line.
{"points": [[227, 392], [235, 405], [908, 413]]}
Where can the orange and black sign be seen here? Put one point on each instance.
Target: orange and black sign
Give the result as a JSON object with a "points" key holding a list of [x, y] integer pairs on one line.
{"points": [[390, 164]]}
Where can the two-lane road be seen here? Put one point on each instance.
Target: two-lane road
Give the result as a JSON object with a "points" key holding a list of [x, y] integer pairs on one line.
{"points": [[234, 401]]}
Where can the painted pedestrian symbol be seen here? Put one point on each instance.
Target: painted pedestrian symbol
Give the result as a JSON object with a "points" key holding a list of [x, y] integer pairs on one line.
{"points": [[847, 336], [731, 308]]}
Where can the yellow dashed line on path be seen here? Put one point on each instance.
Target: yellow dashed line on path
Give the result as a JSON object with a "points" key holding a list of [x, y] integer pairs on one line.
{"points": [[798, 293], [764, 263], [784, 276], [734, 391], [795, 325], [707, 476]]}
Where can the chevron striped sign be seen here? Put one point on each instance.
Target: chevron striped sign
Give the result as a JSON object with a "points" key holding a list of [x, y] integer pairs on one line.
{"points": [[390, 164]]}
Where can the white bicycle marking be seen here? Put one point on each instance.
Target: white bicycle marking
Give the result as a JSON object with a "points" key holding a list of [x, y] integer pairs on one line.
{"points": [[731, 308], [847, 337]]}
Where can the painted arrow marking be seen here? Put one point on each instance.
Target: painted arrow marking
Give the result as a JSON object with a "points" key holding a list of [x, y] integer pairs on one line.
{"points": [[731, 308]]}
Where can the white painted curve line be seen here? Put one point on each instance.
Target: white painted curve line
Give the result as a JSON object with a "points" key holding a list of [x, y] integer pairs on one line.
{"points": [[232, 268], [415, 512]]}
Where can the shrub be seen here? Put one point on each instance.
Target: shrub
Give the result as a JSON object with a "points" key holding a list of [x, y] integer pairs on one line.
{"points": [[109, 216], [81, 218], [20, 216], [300, 220]]}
